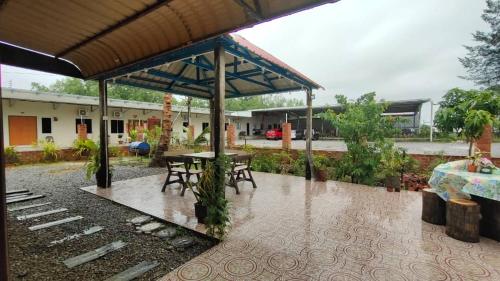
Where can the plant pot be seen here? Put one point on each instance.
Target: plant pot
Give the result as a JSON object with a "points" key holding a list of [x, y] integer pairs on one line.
{"points": [[389, 189], [101, 183], [393, 182], [200, 211], [471, 168], [321, 174]]}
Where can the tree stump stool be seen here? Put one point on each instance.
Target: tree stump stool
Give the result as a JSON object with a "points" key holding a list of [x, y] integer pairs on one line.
{"points": [[462, 220], [433, 207]]}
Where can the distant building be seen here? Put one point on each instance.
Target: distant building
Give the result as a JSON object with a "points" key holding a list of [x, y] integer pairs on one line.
{"points": [[33, 116]]}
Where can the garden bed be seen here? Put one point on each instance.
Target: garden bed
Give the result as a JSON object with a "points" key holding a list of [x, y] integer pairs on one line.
{"points": [[31, 259]]}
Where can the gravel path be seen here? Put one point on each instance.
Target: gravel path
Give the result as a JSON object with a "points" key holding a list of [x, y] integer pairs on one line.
{"points": [[31, 259]]}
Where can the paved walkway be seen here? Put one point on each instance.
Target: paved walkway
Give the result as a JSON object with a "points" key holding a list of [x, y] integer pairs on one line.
{"points": [[292, 229], [457, 149]]}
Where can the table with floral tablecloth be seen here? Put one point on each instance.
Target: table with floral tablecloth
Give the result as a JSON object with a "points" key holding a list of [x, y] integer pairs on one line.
{"points": [[452, 180]]}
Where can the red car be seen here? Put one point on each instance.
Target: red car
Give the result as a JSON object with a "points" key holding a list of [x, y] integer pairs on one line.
{"points": [[274, 134]]}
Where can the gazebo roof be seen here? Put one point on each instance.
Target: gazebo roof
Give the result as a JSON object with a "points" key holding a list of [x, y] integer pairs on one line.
{"points": [[90, 39], [190, 71]]}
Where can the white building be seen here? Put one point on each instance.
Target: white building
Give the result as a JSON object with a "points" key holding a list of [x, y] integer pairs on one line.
{"points": [[33, 116]]}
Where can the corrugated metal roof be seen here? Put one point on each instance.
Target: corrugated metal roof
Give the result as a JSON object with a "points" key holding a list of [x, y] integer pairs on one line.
{"points": [[33, 96], [102, 36], [397, 106], [191, 71]]}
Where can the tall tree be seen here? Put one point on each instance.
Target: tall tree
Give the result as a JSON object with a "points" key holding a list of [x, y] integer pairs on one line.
{"points": [[483, 60]]}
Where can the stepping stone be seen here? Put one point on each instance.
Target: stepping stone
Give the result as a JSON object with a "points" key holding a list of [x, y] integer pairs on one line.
{"points": [[88, 231], [150, 227], [182, 242], [18, 195], [27, 207], [54, 223], [95, 254], [41, 214], [16, 191], [134, 272], [169, 232], [140, 220], [27, 198]]}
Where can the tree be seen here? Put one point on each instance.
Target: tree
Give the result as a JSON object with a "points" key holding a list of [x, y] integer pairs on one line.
{"points": [[462, 110], [364, 130], [39, 87], [76, 86], [482, 61], [450, 118]]}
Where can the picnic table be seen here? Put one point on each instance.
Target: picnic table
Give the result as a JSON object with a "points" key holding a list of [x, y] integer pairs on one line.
{"points": [[452, 181]]}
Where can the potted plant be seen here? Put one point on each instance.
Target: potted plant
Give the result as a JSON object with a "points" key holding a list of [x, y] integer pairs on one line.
{"points": [[211, 207], [320, 165], [391, 163], [474, 124], [202, 193], [486, 166], [474, 161], [93, 165], [120, 139]]}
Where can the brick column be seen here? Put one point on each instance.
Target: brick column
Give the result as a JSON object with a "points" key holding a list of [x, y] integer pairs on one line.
{"points": [[286, 141], [82, 131], [484, 142], [190, 133], [231, 135], [166, 132]]}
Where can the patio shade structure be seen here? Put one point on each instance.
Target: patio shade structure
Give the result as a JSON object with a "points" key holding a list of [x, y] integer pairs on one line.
{"points": [[107, 39]]}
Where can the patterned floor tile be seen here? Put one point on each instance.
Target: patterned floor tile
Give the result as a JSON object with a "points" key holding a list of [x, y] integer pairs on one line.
{"points": [[292, 229]]}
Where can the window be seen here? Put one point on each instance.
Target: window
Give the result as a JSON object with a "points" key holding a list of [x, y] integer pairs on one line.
{"points": [[204, 125], [117, 126], [46, 125], [238, 126], [87, 122]]}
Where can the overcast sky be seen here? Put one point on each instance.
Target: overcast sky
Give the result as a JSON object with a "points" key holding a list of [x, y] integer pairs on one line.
{"points": [[401, 49]]}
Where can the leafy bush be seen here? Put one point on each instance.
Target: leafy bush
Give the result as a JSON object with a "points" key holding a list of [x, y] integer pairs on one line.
{"points": [[49, 150], [114, 151], [11, 155], [133, 135], [152, 137], [83, 147], [210, 193], [364, 129], [299, 165]]}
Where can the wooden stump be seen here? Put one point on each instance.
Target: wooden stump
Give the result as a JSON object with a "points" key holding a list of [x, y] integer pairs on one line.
{"points": [[433, 207], [489, 225], [462, 220]]}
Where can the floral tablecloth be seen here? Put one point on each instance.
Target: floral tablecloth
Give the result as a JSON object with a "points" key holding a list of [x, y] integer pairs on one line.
{"points": [[451, 180]]}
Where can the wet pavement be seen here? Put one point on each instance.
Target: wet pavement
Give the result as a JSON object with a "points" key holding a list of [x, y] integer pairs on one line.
{"points": [[453, 149], [292, 229]]}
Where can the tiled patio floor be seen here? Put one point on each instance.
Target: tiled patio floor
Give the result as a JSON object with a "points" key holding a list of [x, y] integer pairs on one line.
{"points": [[291, 229]]}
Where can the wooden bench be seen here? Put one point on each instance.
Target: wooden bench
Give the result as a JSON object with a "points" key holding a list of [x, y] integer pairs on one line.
{"points": [[462, 220]]}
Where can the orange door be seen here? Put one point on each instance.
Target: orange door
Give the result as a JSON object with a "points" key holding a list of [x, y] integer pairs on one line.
{"points": [[22, 130]]}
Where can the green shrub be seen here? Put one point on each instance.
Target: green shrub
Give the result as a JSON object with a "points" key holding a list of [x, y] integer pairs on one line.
{"points": [[299, 165], [364, 130], [49, 151], [11, 155], [83, 147], [266, 163], [114, 151]]}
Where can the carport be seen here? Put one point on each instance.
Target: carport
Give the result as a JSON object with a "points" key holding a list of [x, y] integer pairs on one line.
{"points": [[148, 44]]}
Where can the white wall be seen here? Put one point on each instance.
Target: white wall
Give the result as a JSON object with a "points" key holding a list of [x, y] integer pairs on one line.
{"points": [[64, 129]]}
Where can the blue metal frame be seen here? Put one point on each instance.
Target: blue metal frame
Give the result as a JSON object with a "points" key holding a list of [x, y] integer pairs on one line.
{"points": [[202, 86]]}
